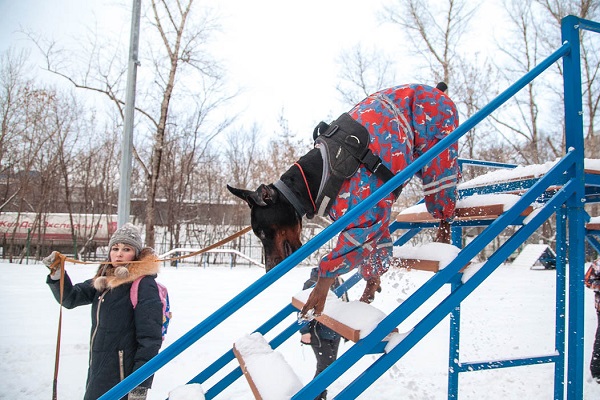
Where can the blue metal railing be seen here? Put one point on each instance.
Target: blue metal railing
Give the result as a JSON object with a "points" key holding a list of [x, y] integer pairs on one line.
{"points": [[572, 193], [412, 303]]}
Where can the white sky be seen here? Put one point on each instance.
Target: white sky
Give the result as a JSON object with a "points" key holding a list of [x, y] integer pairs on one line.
{"points": [[283, 55]]}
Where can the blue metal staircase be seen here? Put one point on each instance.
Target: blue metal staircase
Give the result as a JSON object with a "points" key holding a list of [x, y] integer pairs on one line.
{"points": [[561, 192]]}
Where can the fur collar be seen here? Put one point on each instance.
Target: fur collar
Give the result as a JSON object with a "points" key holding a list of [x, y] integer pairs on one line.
{"points": [[110, 276]]}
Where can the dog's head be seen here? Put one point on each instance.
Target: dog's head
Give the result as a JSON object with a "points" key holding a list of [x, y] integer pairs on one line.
{"points": [[273, 220]]}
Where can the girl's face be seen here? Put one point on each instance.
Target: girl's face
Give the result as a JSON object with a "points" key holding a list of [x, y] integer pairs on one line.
{"points": [[121, 252]]}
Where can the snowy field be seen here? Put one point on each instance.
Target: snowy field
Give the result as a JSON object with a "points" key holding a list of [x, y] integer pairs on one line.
{"points": [[511, 315]]}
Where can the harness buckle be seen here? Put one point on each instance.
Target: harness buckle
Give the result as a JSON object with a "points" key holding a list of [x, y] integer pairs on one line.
{"points": [[331, 131], [371, 161]]}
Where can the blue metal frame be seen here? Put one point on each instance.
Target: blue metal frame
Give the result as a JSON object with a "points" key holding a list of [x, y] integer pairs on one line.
{"points": [[442, 277], [562, 191], [570, 28], [592, 240]]}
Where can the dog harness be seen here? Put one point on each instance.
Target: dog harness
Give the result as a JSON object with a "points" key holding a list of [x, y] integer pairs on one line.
{"points": [[403, 122], [344, 146]]}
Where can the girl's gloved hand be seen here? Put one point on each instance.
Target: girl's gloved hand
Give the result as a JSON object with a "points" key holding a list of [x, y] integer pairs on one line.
{"points": [[48, 261]]}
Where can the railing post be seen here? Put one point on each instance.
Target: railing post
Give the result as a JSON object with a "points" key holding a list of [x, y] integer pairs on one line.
{"points": [[454, 341], [561, 302], [570, 29]]}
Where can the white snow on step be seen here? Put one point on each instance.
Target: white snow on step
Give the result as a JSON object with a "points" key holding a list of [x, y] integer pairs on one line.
{"points": [[442, 252], [507, 200], [355, 314], [272, 375], [529, 255], [520, 172], [192, 391]]}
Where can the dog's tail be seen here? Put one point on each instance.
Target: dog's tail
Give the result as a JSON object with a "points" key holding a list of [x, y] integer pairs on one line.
{"points": [[442, 86]]}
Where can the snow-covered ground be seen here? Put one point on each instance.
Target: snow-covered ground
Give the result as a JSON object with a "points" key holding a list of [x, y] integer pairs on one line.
{"points": [[510, 315]]}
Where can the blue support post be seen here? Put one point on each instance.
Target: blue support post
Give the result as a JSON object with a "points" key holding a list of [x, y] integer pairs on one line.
{"points": [[561, 301], [575, 205], [454, 345]]}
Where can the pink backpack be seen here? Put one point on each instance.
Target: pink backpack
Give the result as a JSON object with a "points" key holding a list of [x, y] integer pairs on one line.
{"points": [[164, 298]]}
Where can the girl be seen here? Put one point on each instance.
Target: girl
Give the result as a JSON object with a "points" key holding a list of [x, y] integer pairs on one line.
{"points": [[122, 338]]}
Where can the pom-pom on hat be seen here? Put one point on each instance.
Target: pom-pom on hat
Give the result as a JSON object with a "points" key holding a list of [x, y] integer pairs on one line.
{"points": [[127, 234]]}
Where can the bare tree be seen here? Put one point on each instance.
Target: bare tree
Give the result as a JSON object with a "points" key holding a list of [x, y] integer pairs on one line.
{"points": [[363, 73], [182, 182], [13, 87], [555, 11], [180, 72], [519, 123], [242, 149], [434, 32], [590, 64]]}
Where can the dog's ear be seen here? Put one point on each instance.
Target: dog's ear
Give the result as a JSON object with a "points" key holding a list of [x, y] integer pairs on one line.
{"points": [[261, 197], [268, 194], [242, 194]]}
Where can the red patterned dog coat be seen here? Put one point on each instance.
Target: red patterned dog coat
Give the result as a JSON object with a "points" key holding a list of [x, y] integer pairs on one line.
{"points": [[404, 122]]}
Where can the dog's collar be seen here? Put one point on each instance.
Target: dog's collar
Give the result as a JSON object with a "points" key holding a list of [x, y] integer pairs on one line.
{"points": [[292, 198]]}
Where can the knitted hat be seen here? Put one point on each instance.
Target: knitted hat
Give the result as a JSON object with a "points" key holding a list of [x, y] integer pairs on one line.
{"points": [[127, 234]]}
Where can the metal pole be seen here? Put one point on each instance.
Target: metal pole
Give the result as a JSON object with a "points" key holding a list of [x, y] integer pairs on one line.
{"points": [[127, 143], [575, 208]]}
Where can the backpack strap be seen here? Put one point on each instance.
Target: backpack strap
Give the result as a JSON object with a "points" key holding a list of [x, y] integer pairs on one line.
{"points": [[133, 292]]}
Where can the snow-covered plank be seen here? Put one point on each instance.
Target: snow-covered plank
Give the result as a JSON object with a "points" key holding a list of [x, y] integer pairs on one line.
{"points": [[330, 322], [415, 263], [353, 320], [592, 169], [476, 207], [522, 173], [269, 376], [427, 257], [593, 224]]}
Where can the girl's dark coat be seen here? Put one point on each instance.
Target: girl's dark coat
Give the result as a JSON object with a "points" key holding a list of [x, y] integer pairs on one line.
{"points": [[122, 339]]}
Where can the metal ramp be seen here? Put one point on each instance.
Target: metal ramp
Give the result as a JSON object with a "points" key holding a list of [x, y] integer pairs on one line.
{"points": [[561, 191], [531, 254]]}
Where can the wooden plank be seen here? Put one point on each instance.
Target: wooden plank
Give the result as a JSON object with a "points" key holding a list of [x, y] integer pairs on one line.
{"points": [[423, 265], [480, 211], [529, 177], [491, 211], [344, 330], [337, 326], [594, 226], [251, 383], [415, 217]]}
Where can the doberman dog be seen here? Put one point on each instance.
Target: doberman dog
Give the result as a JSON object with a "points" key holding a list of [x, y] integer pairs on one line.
{"points": [[353, 157]]}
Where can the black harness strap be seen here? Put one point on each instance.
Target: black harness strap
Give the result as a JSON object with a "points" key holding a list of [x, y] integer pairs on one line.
{"points": [[344, 145]]}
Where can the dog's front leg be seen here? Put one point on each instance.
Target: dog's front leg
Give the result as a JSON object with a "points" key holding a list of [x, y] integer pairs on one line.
{"points": [[373, 285], [316, 299]]}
